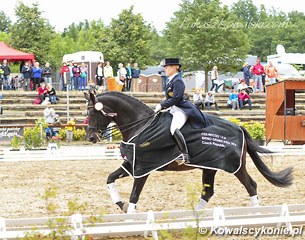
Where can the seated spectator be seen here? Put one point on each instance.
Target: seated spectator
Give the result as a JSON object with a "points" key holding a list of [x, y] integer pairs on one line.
{"points": [[244, 98], [49, 115], [51, 94], [198, 99], [210, 100], [233, 100], [243, 85], [42, 92]]}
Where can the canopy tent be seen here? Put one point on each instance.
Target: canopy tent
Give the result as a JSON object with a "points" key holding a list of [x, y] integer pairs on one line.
{"points": [[12, 54]]}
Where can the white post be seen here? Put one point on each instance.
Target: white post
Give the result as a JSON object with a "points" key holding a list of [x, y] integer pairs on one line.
{"points": [[68, 100]]}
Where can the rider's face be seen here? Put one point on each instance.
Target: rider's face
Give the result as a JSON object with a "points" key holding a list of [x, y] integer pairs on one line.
{"points": [[171, 70]]}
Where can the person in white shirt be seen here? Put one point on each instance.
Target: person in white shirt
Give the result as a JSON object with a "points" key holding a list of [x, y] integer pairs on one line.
{"points": [[198, 99], [49, 115], [210, 100]]}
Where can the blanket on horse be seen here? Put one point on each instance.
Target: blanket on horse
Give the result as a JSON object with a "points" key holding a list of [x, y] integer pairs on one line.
{"points": [[218, 146]]}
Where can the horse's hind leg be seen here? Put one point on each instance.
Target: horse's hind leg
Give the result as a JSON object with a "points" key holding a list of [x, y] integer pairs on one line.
{"points": [[250, 185], [208, 177], [119, 173]]}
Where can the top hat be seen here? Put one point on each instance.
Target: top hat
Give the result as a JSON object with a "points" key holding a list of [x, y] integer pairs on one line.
{"points": [[171, 62]]}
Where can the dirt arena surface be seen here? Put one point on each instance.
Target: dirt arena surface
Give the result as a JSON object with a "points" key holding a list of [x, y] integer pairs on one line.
{"points": [[22, 185]]}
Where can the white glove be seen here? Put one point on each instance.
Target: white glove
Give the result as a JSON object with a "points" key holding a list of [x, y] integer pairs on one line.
{"points": [[158, 108]]}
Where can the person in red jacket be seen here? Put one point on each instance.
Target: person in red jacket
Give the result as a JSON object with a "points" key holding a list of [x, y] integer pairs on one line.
{"points": [[257, 71], [42, 92], [63, 70], [243, 99]]}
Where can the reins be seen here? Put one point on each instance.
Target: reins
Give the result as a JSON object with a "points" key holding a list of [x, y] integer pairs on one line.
{"points": [[107, 132]]}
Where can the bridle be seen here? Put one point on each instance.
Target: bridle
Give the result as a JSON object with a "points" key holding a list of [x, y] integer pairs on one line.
{"points": [[124, 128]]}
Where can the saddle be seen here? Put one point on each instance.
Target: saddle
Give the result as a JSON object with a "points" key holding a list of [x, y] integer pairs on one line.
{"points": [[217, 146]]}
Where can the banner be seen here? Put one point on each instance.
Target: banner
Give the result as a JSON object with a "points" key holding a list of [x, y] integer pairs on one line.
{"points": [[7, 132]]}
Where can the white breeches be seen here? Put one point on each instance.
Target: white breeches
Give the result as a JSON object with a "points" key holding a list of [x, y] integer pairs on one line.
{"points": [[179, 118]]}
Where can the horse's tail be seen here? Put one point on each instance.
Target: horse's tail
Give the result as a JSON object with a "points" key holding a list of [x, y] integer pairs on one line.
{"points": [[283, 178]]}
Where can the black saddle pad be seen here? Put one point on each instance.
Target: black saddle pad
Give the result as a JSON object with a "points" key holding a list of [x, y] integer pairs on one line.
{"points": [[217, 146]]}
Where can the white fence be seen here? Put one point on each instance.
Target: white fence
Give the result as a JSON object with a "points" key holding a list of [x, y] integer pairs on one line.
{"points": [[101, 152], [289, 218], [63, 153]]}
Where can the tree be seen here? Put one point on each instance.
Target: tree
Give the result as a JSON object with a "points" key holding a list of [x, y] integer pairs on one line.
{"points": [[129, 39], [31, 32], [245, 11], [5, 22], [204, 34]]}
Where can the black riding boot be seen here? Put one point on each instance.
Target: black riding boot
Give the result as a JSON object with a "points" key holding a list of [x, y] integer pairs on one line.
{"points": [[180, 141]]}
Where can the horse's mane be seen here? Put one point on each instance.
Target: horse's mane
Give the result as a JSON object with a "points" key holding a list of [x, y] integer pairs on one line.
{"points": [[132, 100]]}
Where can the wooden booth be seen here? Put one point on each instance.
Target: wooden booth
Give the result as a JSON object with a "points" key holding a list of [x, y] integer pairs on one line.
{"points": [[283, 120]]}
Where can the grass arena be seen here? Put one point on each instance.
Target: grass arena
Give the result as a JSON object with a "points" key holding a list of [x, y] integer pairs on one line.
{"points": [[24, 183]]}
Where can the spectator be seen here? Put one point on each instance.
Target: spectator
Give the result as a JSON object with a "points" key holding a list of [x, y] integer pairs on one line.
{"points": [[49, 115], [233, 100], [163, 76], [64, 70], [135, 76], [271, 73], [100, 90], [37, 74], [26, 71], [210, 100], [42, 92], [128, 77], [198, 99], [6, 72], [243, 85], [121, 75], [99, 75], [83, 77], [69, 129], [46, 73], [214, 78], [257, 71], [108, 73], [76, 76], [91, 86], [244, 98], [51, 94], [247, 74]]}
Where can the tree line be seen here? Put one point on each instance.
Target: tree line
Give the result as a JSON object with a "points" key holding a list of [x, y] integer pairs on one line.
{"points": [[202, 33]]}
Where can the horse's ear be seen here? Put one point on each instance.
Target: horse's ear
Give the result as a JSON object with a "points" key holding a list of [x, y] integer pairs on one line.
{"points": [[92, 98], [87, 97]]}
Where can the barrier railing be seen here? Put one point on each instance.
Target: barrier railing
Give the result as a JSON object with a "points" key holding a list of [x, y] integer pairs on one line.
{"points": [[280, 219]]}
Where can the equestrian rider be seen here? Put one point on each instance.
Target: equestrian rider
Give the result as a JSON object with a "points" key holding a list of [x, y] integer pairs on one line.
{"points": [[180, 108]]}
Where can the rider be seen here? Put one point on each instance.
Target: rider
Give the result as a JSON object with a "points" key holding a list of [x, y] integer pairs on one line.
{"points": [[180, 108]]}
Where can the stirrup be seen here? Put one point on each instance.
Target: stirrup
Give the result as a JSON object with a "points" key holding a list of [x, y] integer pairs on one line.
{"points": [[185, 159]]}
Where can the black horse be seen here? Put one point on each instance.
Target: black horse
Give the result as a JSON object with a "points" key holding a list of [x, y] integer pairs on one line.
{"points": [[132, 115]]}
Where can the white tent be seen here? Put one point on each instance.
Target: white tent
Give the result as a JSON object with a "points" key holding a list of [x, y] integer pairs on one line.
{"points": [[90, 58], [84, 56], [283, 57]]}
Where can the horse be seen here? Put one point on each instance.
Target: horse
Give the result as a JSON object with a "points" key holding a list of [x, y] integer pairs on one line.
{"points": [[131, 115]]}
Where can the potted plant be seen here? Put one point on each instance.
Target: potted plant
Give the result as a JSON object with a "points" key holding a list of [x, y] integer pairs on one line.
{"points": [[257, 131], [16, 142], [34, 137]]}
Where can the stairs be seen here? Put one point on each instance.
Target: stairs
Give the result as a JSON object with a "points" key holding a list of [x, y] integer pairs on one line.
{"points": [[19, 109]]}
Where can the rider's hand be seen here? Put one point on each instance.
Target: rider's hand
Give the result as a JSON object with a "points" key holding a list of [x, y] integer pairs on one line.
{"points": [[158, 108]]}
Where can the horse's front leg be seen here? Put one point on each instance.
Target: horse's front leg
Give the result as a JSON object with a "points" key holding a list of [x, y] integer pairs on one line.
{"points": [[114, 194], [137, 188], [208, 176]]}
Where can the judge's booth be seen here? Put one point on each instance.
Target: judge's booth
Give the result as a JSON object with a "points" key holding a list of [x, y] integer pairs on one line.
{"points": [[285, 112]]}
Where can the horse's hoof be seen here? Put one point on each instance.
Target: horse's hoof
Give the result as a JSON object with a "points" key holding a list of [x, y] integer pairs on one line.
{"points": [[125, 207]]}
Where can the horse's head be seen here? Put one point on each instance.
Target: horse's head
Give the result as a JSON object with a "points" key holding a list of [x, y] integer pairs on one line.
{"points": [[98, 120]]}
